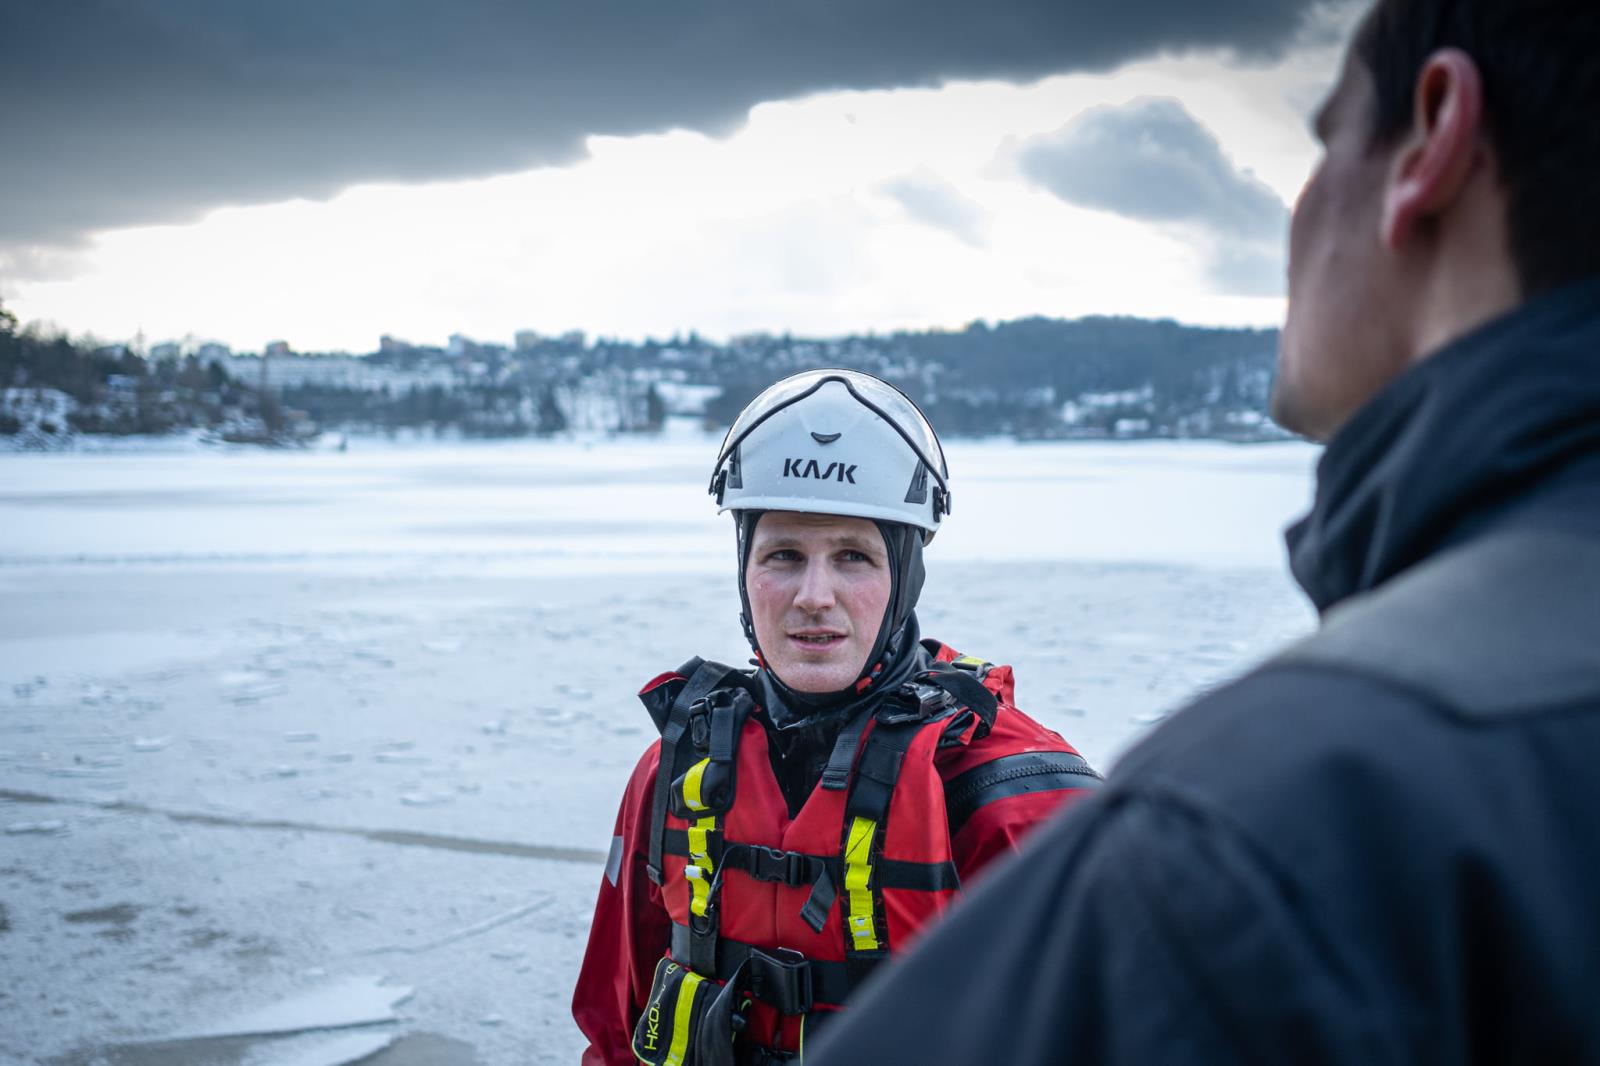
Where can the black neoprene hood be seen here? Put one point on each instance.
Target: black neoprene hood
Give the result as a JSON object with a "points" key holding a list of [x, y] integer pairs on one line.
{"points": [[897, 633]]}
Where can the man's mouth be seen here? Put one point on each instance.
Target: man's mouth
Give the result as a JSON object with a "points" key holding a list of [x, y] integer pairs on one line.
{"points": [[817, 639]]}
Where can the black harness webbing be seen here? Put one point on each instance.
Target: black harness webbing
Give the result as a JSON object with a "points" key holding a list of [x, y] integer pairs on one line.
{"points": [[791, 868], [715, 723], [837, 774], [796, 870], [701, 732], [966, 689], [780, 979], [703, 679], [867, 813]]}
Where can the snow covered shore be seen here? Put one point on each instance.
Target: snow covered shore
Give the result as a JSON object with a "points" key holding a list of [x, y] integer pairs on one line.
{"points": [[275, 722]]}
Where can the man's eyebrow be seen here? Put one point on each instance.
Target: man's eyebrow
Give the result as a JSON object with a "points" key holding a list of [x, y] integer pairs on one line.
{"points": [[859, 543]]}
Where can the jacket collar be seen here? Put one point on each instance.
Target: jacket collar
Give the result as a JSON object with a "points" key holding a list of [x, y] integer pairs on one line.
{"points": [[1457, 440]]}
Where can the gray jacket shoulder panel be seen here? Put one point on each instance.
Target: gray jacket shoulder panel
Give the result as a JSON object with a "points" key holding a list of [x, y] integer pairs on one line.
{"points": [[1508, 624]]}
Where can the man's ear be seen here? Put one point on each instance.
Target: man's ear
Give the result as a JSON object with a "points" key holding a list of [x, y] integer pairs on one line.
{"points": [[1435, 159]]}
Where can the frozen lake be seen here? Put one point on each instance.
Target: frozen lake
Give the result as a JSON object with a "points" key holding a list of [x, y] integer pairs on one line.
{"points": [[271, 722]]}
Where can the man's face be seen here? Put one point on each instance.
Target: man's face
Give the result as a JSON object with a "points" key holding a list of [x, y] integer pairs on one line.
{"points": [[1340, 344], [818, 587]]}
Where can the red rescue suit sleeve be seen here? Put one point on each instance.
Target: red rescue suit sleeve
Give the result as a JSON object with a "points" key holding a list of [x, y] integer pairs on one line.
{"points": [[998, 826], [630, 933]]}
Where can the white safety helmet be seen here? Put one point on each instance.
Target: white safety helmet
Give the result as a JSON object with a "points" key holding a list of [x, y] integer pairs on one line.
{"points": [[834, 442]]}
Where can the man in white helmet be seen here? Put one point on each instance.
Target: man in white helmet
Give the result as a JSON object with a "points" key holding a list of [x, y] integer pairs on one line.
{"points": [[801, 822]]}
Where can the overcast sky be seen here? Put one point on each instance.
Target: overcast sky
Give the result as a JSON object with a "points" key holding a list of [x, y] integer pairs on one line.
{"points": [[324, 173]]}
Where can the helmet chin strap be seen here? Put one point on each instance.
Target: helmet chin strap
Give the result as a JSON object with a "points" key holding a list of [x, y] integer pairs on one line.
{"points": [[898, 632]]}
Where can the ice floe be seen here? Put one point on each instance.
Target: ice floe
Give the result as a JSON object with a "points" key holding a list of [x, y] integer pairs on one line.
{"points": [[349, 1001]]}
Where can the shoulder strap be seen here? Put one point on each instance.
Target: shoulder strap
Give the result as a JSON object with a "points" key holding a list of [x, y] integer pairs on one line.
{"points": [[941, 690], [703, 678], [866, 816], [1506, 624], [966, 688], [836, 775]]}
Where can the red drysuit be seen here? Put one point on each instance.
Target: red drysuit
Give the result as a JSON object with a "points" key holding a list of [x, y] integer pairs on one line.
{"points": [[964, 792]]}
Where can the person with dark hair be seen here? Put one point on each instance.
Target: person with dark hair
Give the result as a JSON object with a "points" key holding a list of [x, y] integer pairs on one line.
{"points": [[1379, 846], [800, 822]]}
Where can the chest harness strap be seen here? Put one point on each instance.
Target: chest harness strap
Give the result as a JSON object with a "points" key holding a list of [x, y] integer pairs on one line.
{"points": [[703, 677], [700, 796], [836, 776], [696, 782], [866, 818]]}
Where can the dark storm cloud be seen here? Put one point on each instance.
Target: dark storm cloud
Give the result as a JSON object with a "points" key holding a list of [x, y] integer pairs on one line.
{"points": [[1151, 161], [933, 201], [117, 112]]}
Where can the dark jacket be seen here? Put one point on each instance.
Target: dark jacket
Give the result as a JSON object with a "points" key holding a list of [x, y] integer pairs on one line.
{"points": [[1317, 863]]}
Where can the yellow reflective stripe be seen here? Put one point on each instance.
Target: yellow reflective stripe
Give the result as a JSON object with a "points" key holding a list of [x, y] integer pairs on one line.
{"points": [[691, 785], [969, 660], [701, 890], [682, 1015], [857, 874], [698, 848], [699, 870]]}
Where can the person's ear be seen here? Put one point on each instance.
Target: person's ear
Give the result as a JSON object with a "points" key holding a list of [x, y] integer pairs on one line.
{"points": [[1435, 159]]}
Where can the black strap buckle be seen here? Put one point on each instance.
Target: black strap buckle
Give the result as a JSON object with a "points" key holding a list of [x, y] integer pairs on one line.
{"points": [[931, 698], [915, 701], [700, 724], [901, 707], [783, 979], [784, 867]]}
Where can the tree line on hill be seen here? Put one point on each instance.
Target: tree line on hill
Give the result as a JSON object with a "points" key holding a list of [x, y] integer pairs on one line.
{"points": [[1040, 377], [109, 389], [1031, 378]]}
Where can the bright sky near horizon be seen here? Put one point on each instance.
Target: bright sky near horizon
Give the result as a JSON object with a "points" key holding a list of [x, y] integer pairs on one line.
{"points": [[1158, 189]]}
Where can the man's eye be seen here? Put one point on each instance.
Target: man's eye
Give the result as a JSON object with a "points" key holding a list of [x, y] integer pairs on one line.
{"points": [[856, 557], [783, 555]]}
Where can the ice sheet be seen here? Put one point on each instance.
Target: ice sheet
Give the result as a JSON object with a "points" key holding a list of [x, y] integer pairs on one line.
{"points": [[548, 507], [268, 713], [349, 1001], [339, 1051]]}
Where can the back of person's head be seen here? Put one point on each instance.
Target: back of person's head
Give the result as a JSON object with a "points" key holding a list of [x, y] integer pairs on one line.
{"points": [[1540, 65]]}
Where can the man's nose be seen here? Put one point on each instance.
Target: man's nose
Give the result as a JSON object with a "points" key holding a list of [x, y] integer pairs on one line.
{"points": [[816, 587]]}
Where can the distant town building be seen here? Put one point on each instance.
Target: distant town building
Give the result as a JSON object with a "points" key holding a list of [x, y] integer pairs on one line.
{"points": [[276, 350], [339, 372], [682, 399], [122, 389]]}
